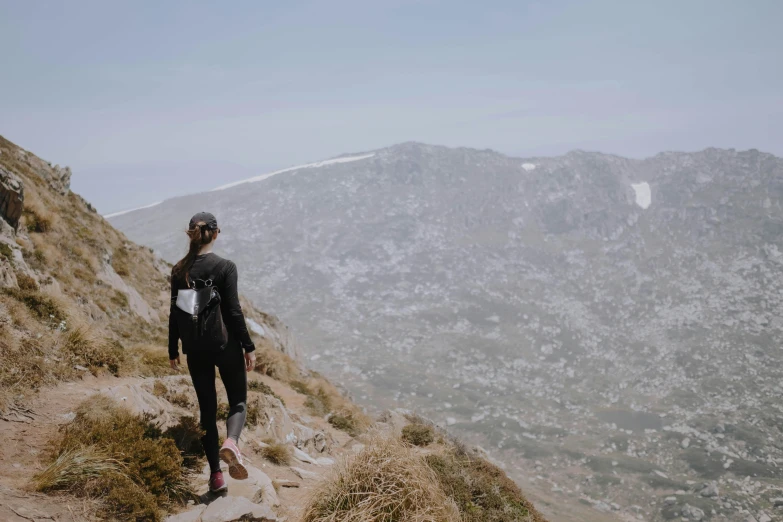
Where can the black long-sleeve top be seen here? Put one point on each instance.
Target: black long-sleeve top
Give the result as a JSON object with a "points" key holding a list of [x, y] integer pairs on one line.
{"points": [[224, 276]]}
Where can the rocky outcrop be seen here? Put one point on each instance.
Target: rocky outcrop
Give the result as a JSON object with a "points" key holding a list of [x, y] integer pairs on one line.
{"points": [[11, 197], [136, 302], [273, 330], [58, 177]]}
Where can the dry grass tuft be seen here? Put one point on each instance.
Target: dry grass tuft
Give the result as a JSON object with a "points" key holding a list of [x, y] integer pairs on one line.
{"points": [[37, 219], [385, 482], [261, 387], [159, 389], [323, 398], [26, 283], [481, 490], [75, 466], [147, 361], [418, 434], [275, 364], [120, 261], [276, 453], [88, 348], [351, 421]]}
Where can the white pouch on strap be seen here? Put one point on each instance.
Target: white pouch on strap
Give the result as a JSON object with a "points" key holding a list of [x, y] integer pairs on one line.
{"points": [[186, 301]]}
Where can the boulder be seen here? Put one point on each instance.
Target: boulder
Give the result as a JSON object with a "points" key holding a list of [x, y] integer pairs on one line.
{"points": [[710, 490], [304, 474], [227, 509], [306, 438], [192, 515], [11, 197], [231, 509], [303, 457], [692, 513], [7, 275], [274, 421], [59, 178]]}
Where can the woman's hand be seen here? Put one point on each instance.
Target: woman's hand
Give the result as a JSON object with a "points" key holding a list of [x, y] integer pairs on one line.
{"points": [[174, 363], [250, 361]]}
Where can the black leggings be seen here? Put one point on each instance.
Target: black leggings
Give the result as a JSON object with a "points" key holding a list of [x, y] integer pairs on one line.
{"points": [[231, 363]]}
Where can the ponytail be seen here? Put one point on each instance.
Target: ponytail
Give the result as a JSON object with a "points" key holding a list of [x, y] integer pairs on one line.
{"points": [[199, 235]]}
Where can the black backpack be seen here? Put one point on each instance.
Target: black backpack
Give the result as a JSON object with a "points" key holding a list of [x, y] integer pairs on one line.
{"points": [[199, 319]]}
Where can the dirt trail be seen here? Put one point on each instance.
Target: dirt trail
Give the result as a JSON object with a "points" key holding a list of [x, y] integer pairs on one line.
{"points": [[25, 435]]}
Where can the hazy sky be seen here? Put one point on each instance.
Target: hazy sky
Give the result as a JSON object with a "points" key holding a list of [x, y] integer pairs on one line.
{"points": [[147, 100]]}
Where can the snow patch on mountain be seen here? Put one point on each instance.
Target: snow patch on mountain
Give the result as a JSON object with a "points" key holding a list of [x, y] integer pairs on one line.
{"points": [[115, 214], [346, 159], [528, 166], [643, 193]]}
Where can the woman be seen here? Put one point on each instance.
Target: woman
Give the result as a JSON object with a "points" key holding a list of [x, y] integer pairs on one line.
{"points": [[200, 268]]}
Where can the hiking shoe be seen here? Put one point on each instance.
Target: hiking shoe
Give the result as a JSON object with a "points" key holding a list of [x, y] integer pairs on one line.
{"points": [[216, 483], [229, 454]]}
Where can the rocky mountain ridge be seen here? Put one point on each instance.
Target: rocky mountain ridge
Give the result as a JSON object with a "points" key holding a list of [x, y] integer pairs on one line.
{"points": [[582, 315]]}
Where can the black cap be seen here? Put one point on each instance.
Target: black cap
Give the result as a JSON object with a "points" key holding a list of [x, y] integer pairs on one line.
{"points": [[205, 217]]}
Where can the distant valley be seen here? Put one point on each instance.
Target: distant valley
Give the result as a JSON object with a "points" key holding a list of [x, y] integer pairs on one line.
{"points": [[609, 328]]}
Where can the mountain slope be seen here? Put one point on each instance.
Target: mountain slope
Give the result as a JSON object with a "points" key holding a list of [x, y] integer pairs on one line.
{"points": [[91, 413], [571, 311]]}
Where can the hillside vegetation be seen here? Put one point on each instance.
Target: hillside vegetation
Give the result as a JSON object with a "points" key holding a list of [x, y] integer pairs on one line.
{"points": [[85, 388]]}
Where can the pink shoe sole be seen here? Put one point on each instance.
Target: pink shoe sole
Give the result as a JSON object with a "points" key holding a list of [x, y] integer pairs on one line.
{"points": [[236, 470]]}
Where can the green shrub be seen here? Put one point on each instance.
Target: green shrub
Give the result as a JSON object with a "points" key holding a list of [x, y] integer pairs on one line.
{"points": [[142, 470], [187, 434], [261, 387], [301, 387], [253, 412], [123, 499], [319, 402], [40, 304], [180, 399], [7, 252], [346, 421], [418, 434]]}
